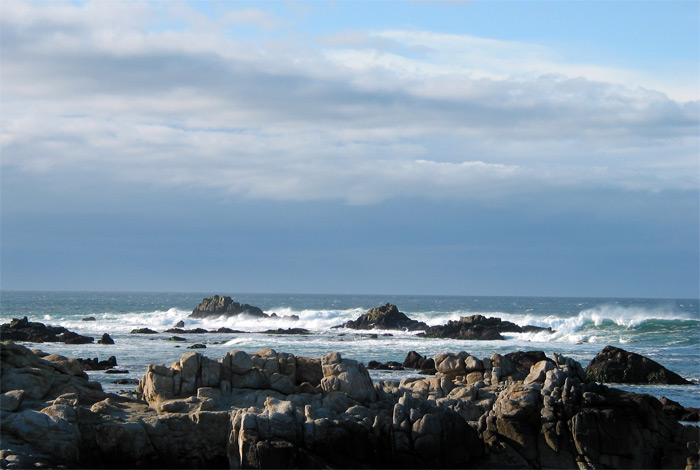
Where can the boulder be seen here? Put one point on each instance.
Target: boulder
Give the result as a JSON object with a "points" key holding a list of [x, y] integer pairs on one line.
{"points": [[288, 331], [21, 329], [143, 331], [416, 361], [386, 317], [615, 365], [96, 364], [478, 327], [216, 306], [105, 339], [347, 376]]}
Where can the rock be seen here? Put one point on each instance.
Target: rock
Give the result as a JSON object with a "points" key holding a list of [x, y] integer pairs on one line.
{"points": [[116, 371], [288, 331], [347, 376], [180, 324], [416, 361], [95, 364], [197, 346], [679, 412], [216, 306], [143, 331], [21, 329], [106, 339], [478, 327], [223, 329], [177, 339], [391, 365], [386, 317], [615, 365], [89, 319]]}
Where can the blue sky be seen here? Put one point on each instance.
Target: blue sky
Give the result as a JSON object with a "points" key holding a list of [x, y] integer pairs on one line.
{"points": [[476, 148]]}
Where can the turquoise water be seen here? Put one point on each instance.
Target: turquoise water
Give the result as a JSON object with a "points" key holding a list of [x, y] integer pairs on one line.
{"points": [[666, 330]]}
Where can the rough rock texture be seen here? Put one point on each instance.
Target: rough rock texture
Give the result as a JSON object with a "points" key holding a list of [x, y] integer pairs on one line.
{"points": [[143, 331], [105, 339], [478, 327], [21, 329], [386, 317], [415, 361], [216, 306], [96, 364], [615, 365], [275, 410], [679, 412]]}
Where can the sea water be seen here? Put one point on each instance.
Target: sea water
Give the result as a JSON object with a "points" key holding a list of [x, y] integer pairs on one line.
{"points": [[665, 330]]}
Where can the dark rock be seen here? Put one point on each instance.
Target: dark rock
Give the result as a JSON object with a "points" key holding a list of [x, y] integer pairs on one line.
{"points": [[116, 371], [144, 331], [416, 361], [197, 346], [89, 319], [224, 329], [615, 365], [386, 317], [180, 324], [679, 412], [21, 329], [478, 327], [193, 331], [524, 360], [176, 338], [288, 331], [95, 364], [391, 365], [106, 339], [126, 382], [216, 306]]}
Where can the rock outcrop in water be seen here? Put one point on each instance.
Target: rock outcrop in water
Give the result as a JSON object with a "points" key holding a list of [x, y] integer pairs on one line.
{"points": [[275, 410], [386, 317], [216, 306], [21, 329], [478, 327], [615, 365]]}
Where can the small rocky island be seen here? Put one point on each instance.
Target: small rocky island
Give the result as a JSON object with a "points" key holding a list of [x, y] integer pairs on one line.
{"points": [[277, 410], [386, 317], [21, 329], [615, 365], [479, 327], [216, 306]]}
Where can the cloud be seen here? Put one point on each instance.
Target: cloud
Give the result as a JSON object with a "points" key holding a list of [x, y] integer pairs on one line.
{"points": [[113, 89]]}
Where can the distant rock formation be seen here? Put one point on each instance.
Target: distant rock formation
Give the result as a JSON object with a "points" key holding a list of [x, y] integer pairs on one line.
{"points": [[95, 364], [216, 306], [105, 339], [386, 317], [615, 365], [21, 329], [478, 327]]}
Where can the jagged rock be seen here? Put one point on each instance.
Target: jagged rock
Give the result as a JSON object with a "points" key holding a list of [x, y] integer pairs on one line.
{"points": [[386, 317], [105, 339], [478, 327], [180, 324], [391, 365], [21, 329], [615, 365], [347, 376], [195, 417], [416, 361], [95, 364], [679, 412], [216, 306], [197, 346]]}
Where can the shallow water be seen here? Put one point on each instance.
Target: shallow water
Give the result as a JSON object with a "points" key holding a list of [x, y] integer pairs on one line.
{"points": [[666, 330]]}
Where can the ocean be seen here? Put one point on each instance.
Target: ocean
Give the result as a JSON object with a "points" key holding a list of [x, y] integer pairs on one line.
{"points": [[665, 330]]}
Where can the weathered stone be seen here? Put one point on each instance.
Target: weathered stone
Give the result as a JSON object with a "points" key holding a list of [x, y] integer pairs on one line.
{"points": [[216, 306], [386, 317], [616, 365], [21, 329]]}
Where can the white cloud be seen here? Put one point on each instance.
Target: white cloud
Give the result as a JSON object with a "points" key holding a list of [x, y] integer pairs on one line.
{"points": [[98, 89]]}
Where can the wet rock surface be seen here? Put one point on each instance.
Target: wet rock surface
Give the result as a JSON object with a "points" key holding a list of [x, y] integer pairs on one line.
{"points": [[216, 306]]}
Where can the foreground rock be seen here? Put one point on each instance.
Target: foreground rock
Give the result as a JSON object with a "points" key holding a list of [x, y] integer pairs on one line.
{"points": [[276, 410], [386, 317], [21, 329], [615, 365], [479, 327], [216, 306]]}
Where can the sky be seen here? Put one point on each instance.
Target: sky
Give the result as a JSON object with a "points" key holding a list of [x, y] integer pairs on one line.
{"points": [[387, 147]]}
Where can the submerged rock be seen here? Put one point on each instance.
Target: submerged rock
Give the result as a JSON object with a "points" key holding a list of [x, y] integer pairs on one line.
{"points": [[478, 327], [216, 306], [386, 317], [615, 365], [288, 331], [21, 329], [143, 331]]}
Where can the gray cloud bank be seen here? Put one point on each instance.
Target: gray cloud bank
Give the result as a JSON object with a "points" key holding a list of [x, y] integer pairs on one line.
{"points": [[106, 89]]}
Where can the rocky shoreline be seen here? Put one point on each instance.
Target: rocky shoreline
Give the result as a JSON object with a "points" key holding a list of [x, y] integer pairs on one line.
{"points": [[277, 410]]}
